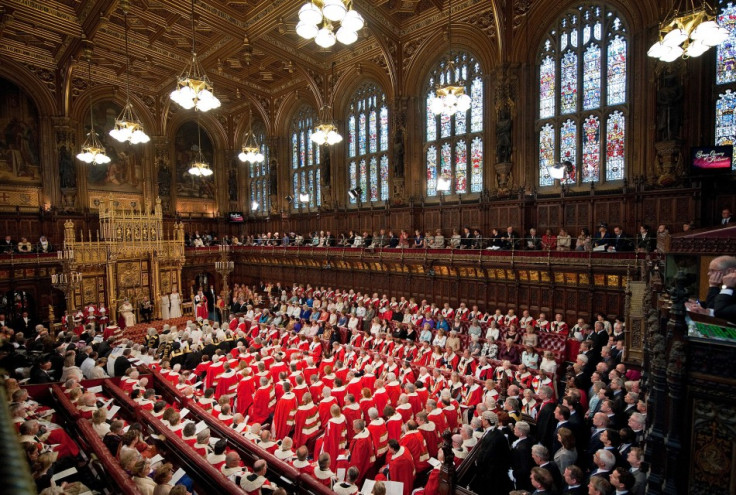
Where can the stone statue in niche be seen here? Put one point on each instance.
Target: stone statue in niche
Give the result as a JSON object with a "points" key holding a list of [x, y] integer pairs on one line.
{"points": [[669, 105], [164, 179], [503, 135], [232, 185], [272, 178], [399, 153], [326, 165], [67, 172]]}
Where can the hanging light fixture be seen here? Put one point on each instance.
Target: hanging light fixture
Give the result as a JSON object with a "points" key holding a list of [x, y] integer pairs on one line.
{"points": [[326, 131], [443, 183], [127, 126], [199, 167], [450, 98], [193, 87], [304, 197], [250, 152], [688, 31], [317, 21], [92, 149]]}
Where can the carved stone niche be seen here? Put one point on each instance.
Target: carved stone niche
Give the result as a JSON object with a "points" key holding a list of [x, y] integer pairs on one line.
{"points": [[669, 162], [398, 196], [503, 178]]}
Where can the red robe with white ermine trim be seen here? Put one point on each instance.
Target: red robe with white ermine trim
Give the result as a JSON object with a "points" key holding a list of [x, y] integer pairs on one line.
{"points": [[335, 439], [283, 416], [306, 424], [362, 455], [264, 402], [401, 469]]}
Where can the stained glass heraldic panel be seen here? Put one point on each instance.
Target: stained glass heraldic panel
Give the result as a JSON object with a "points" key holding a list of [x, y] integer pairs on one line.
{"points": [[725, 89], [583, 97], [368, 144], [451, 139], [259, 175], [305, 159]]}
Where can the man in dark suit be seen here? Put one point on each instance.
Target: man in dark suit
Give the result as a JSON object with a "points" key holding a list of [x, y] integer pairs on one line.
{"points": [[122, 363], [574, 478], [645, 242], [620, 242], [41, 371], [509, 239], [546, 417], [717, 269], [533, 241], [726, 218], [493, 459], [600, 423], [622, 481], [724, 305], [8, 245], [541, 457], [25, 324], [521, 456], [211, 296], [598, 339]]}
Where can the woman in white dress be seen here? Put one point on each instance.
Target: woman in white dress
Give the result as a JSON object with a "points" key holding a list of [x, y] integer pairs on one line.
{"points": [[174, 305], [165, 307], [126, 309]]}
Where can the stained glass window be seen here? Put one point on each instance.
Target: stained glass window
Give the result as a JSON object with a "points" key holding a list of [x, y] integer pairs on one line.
{"points": [[369, 143], [259, 174], [569, 83], [726, 55], [724, 91], [615, 146], [585, 51], [546, 154], [304, 159], [591, 149], [456, 136], [592, 77], [568, 147], [431, 171], [547, 88]]}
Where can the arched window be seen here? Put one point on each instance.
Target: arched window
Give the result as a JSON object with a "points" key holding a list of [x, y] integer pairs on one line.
{"points": [[305, 172], [583, 96], [259, 175], [368, 144], [453, 147], [725, 91]]}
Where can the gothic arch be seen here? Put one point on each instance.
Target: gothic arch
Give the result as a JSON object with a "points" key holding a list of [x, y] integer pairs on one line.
{"points": [[31, 85], [352, 80], [79, 111], [464, 38]]}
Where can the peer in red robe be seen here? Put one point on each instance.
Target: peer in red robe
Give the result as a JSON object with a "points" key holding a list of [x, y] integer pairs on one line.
{"points": [[362, 453], [324, 408], [202, 312], [245, 391], [401, 467], [379, 435], [351, 411], [413, 440], [334, 439], [306, 422], [283, 416], [264, 402]]}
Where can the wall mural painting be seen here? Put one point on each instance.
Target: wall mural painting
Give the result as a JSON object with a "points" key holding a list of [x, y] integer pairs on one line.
{"points": [[185, 149], [124, 173], [19, 141]]}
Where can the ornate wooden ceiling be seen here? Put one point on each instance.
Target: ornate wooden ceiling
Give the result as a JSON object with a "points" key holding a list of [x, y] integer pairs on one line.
{"points": [[246, 46]]}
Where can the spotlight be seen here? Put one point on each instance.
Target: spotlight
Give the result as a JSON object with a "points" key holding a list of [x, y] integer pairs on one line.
{"points": [[355, 193], [289, 198]]}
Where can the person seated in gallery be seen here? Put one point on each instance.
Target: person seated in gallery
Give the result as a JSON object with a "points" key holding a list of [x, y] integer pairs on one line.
{"points": [[24, 246], [44, 246]]}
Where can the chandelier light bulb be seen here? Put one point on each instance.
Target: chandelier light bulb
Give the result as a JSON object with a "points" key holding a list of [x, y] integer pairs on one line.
{"points": [[463, 103], [673, 54], [306, 30], [325, 37], [443, 184], [334, 10], [318, 136], [310, 14], [657, 50], [353, 21], [304, 197], [346, 36], [254, 205], [696, 49], [675, 37], [436, 105], [333, 137]]}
